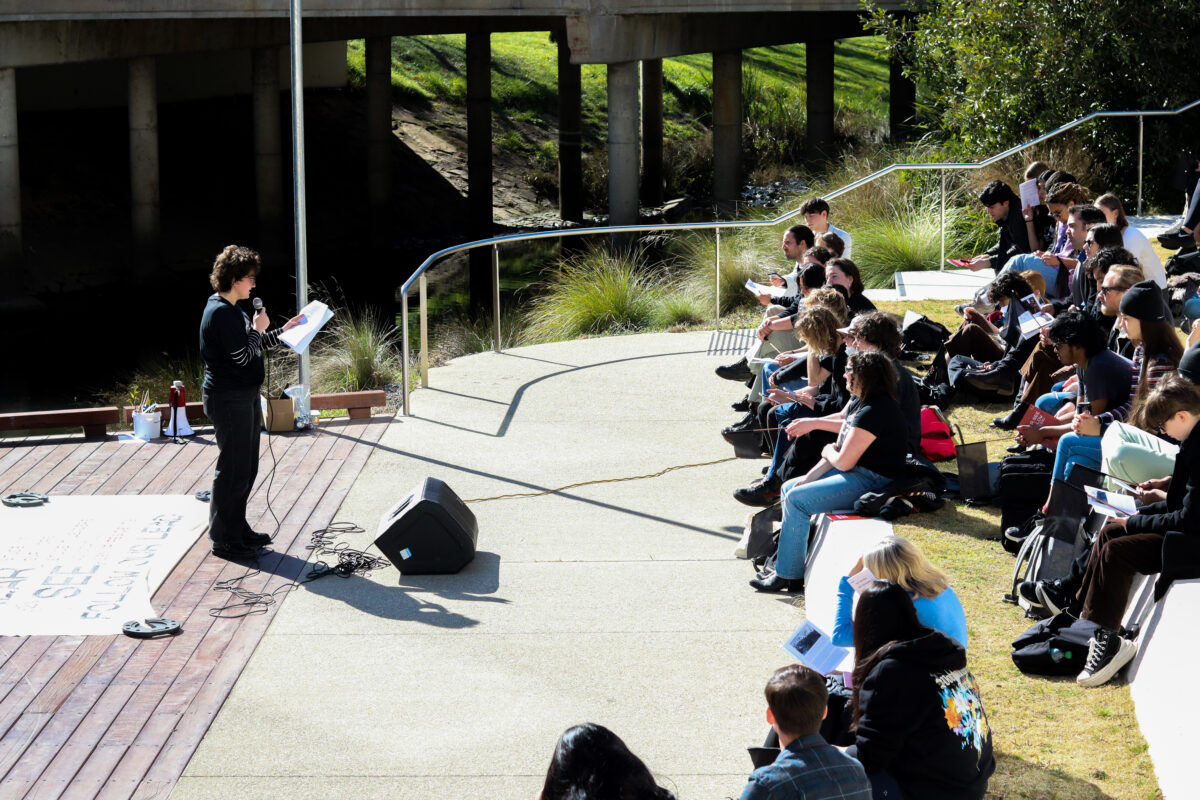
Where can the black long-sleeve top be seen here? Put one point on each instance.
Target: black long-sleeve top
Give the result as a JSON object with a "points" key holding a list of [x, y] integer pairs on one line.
{"points": [[231, 347]]}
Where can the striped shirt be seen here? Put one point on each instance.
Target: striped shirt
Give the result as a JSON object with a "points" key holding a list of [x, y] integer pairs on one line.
{"points": [[1159, 368]]}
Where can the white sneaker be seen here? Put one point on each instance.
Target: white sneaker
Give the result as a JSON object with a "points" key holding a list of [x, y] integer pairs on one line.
{"points": [[1108, 652], [744, 542]]}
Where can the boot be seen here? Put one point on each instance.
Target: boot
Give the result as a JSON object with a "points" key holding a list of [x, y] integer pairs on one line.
{"points": [[1009, 421], [737, 371]]}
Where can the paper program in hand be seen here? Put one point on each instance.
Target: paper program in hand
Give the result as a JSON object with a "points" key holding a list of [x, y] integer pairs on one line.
{"points": [[316, 314]]}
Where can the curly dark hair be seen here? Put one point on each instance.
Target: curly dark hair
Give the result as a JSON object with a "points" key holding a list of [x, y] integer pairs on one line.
{"points": [[1078, 330], [1008, 284], [879, 330], [232, 264], [871, 374]]}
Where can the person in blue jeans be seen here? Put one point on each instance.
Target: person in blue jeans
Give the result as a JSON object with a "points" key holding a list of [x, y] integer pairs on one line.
{"points": [[867, 455]]}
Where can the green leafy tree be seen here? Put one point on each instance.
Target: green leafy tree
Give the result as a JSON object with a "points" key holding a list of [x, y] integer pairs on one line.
{"points": [[992, 73]]}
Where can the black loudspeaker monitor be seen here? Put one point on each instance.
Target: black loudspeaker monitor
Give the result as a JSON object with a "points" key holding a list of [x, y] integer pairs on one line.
{"points": [[429, 532]]}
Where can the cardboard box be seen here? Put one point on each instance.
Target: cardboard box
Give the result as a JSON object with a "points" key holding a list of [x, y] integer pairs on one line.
{"points": [[279, 415]]}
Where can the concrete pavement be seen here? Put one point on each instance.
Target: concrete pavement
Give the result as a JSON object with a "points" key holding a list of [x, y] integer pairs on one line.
{"points": [[617, 603]]}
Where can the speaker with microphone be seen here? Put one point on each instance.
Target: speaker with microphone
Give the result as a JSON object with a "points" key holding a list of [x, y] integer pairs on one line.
{"points": [[430, 532]]}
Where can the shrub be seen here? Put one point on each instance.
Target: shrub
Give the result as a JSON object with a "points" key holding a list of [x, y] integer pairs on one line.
{"points": [[594, 292], [356, 351]]}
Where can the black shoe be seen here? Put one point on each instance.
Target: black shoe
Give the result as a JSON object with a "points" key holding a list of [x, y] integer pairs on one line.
{"points": [[774, 583], [746, 423], [763, 493], [1054, 596], [1011, 420], [1027, 591], [256, 539], [1173, 240], [1016, 448], [737, 371], [234, 552], [742, 405]]}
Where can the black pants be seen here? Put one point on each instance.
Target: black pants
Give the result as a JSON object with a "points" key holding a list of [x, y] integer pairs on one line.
{"points": [[237, 421]]}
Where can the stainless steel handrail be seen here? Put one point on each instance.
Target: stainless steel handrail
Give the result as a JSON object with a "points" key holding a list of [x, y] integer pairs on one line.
{"points": [[496, 241]]}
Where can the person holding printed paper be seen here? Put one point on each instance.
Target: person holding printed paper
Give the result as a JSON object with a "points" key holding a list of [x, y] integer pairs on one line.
{"points": [[867, 455], [231, 344], [898, 560], [1163, 537], [920, 729]]}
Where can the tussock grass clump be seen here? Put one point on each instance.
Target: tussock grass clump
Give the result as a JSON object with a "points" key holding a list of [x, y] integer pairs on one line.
{"points": [[595, 292], [459, 335], [155, 379], [358, 350]]}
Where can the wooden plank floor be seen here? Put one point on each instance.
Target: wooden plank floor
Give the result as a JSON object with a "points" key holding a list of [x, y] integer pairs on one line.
{"points": [[115, 717]]}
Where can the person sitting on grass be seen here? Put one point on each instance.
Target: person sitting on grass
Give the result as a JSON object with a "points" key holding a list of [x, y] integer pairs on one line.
{"points": [[1162, 537], [591, 762], [868, 454], [920, 729], [1104, 377], [898, 560], [808, 767]]}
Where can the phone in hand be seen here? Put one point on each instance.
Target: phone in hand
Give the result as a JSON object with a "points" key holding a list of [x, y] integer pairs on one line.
{"points": [[1083, 407]]}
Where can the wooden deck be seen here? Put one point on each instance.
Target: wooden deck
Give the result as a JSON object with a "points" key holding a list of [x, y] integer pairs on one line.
{"points": [[115, 717]]}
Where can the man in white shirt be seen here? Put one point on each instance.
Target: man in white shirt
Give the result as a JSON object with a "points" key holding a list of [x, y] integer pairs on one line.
{"points": [[816, 217]]}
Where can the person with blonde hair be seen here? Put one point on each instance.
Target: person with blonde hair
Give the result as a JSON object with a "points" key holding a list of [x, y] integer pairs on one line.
{"points": [[898, 560]]}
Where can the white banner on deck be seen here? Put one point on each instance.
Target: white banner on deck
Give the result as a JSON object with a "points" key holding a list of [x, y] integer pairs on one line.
{"points": [[87, 565]]}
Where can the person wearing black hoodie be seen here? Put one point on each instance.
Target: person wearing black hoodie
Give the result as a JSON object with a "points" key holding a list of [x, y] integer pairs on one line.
{"points": [[920, 728]]}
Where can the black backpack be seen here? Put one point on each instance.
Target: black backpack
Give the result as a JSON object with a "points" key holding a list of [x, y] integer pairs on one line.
{"points": [[1023, 486], [1055, 646], [925, 334]]}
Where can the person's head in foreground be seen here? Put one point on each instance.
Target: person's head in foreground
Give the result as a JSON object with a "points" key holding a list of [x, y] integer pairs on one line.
{"points": [[591, 762], [796, 698]]}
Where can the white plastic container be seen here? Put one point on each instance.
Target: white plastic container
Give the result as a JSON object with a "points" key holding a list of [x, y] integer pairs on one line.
{"points": [[147, 426]]}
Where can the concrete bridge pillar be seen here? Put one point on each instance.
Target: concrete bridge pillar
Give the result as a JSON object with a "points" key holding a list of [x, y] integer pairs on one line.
{"points": [[652, 132], [819, 65], [143, 161], [379, 136], [268, 154], [570, 136], [902, 102], [479, 163], [623, 143], [727, 129], [10, 183]]}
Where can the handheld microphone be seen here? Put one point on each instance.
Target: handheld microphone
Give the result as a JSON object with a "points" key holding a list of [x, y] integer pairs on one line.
{"points": [[257, 303]]}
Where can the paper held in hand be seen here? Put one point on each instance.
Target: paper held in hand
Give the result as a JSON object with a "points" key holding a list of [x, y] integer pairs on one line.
{"points": [[1029, 194], [1111, 503], [813, 648], [758, 288], [860, 580], [316, 314]]}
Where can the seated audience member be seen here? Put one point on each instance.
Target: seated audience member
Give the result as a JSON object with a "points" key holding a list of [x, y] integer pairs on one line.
{"points": [[1080, 219], [867, 455], [980, 340], [1063, 593], [591, 762], [1002, 206], [808, 767], [920, 728], [1132, 239], [900, 561], [1143, 317], [1103, 376], [833, 243], [825, 393], [796, 241], [808, 435], [816, 217], [844, 272], [1162, 537]]}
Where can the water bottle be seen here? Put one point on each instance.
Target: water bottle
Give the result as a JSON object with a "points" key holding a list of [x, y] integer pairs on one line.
{"points": [[1059, 656]]}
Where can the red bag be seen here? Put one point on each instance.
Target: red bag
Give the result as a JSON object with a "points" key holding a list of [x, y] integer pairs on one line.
{"points": [[936, 441]]}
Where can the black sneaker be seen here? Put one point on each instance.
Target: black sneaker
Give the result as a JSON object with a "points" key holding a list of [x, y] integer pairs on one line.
{"points": [[1108, 652], [774, 583], [737, 371], [1053, 596], [763, 493], [742, 405], [1174, 240], [1027, 591], [746, 423]]}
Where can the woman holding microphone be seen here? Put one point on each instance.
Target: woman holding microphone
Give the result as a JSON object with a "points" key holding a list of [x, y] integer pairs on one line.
{"points": [[231, 345]]}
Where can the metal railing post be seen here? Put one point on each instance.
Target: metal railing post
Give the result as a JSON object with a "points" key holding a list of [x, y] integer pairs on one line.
{"points": [[942, 262], [1141, 140], [404, 349], [422, 294], [717, 292], [496, 346]]}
